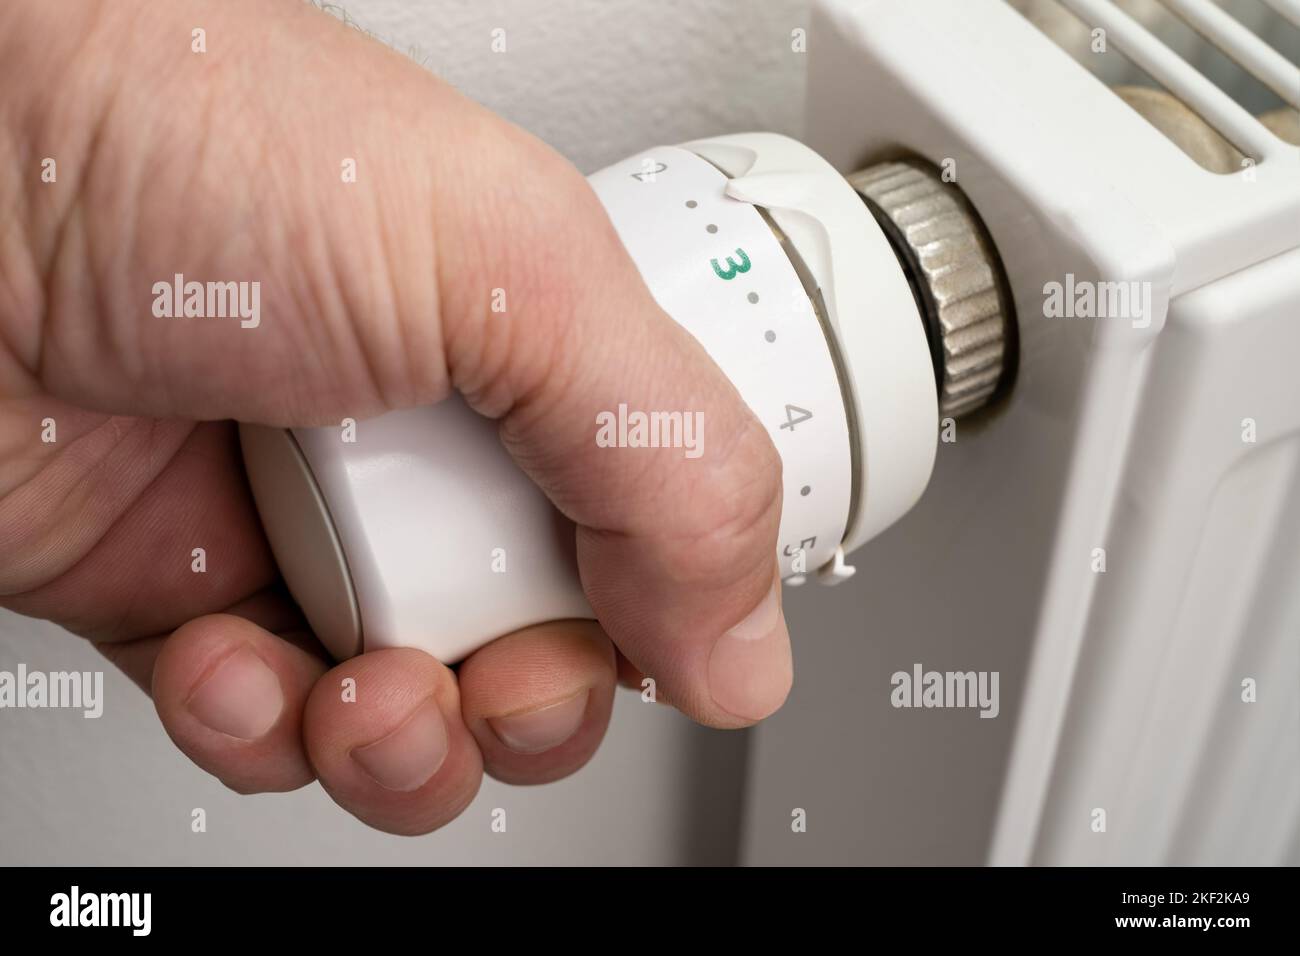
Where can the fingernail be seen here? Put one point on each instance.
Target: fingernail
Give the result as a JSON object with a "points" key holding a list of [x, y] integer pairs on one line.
{"points": [[241, 698], [750, 670], [542, 729], [406, 758]]}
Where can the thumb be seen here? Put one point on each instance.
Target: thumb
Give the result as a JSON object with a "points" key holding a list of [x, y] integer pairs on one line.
{"points": [[376, 293], [677, 555]]}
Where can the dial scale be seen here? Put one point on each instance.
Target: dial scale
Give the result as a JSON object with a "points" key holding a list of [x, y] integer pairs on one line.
{"points": [[423, 532]]}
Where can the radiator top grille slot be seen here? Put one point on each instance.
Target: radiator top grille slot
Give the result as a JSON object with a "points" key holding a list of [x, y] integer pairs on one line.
{"points": [[1221, 78]]}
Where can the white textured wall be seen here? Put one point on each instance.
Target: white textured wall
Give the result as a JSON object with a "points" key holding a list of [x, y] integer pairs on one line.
{"points": [[597, 80]]}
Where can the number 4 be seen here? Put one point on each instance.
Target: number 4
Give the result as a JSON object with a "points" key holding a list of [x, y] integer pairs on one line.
{"points": [[795, 415]]}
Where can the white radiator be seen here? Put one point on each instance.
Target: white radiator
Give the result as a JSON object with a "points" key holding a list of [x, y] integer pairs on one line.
{"points": [[1165, 442]]}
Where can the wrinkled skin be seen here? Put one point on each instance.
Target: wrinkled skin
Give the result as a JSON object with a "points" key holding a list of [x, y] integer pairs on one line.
{"points": [[375, 295]]}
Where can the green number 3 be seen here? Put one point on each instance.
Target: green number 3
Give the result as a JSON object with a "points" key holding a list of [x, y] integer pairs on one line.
{"points": [[735, 267]]}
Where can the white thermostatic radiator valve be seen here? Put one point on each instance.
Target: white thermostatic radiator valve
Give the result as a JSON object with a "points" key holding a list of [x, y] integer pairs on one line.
{"points": [[852, 315]]}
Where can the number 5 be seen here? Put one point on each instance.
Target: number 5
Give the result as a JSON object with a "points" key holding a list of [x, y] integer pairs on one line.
{"points": [[806, 545]]}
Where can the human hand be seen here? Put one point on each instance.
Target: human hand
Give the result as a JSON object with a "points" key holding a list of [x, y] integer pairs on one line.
{"points": [[374, 295]]}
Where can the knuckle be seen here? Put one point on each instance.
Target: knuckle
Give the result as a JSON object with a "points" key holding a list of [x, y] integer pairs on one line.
{"points": [[732, 519]]}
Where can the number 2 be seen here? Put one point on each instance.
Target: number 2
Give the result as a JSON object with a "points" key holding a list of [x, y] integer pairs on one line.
{"points": [[650, 170]]}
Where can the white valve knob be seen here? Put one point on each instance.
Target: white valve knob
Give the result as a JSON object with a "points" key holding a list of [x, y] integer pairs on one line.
{"points": [[765, 254]]}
